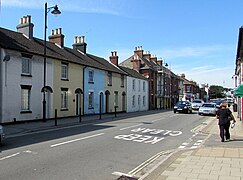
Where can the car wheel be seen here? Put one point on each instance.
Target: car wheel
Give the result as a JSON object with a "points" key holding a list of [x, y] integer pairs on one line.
{"points": [[174, 111]]}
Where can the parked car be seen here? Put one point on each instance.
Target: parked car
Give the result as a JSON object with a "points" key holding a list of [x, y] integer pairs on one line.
{"points": [[207, 109], [1, 134], [197, 103], [183, 106]]}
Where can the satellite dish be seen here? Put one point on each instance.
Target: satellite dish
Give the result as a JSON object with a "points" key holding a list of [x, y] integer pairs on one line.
{"points": [[6, 58]]}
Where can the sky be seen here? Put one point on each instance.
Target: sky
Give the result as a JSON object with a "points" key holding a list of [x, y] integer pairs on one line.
{"points": [[197, 38]]}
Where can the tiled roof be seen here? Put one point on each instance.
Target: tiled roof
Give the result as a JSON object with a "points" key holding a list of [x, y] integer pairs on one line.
{"points": [[133, 73], [18, 42], [107, 64]]}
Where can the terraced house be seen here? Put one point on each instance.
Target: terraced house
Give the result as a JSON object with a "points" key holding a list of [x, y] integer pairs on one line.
{"points": [[76, 82]]}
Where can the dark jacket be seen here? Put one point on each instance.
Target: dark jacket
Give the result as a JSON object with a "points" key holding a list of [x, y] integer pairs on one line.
{"points": [[222, 115]]}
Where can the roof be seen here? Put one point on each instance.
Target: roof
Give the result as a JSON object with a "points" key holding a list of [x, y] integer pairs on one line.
{"points": [[17, 41], [133, 73]]}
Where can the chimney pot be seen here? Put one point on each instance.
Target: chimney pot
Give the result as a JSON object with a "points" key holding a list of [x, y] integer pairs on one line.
{"points": [[82, 39]]}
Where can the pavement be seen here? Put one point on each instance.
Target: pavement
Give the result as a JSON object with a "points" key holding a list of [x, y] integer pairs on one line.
{"points": [[212, 160]]}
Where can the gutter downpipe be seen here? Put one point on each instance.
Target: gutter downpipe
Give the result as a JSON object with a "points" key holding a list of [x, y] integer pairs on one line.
{"points": [[83, 86]]}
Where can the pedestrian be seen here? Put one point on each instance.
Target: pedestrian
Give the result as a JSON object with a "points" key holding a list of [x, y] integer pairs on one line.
{"points": [[224, 116]]}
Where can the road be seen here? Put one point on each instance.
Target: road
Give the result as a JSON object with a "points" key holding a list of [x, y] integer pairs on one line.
{"points": [[100, 151]]}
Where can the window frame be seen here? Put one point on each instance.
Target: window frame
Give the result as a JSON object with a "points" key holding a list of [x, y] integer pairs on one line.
{"points": [[109, 81], [64, 98], [64, 71], [91, 76], [26, 64], [25, 108], [91, 100]]}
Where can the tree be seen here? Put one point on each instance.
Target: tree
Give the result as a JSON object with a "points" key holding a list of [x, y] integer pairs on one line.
{"points": [[216, 92]]}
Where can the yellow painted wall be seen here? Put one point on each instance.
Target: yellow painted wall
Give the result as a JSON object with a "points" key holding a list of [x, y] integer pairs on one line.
{"points": [[75, 80], [116, 86]]}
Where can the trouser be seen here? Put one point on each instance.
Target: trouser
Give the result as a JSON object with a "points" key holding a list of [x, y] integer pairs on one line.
{"points": [[224, 131]]}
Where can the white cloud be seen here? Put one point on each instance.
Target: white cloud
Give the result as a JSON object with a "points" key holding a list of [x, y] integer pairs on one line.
{"points": [[178, 52]]}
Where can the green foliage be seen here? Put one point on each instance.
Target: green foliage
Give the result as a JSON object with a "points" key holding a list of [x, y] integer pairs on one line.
{"points": [[217, 92]]}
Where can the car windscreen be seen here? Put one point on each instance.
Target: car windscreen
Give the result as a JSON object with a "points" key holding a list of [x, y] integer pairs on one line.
{"points": [[208, 105], [196, 101]]}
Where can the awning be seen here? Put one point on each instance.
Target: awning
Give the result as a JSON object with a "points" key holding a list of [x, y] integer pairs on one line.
{"points": [[238, 92]]}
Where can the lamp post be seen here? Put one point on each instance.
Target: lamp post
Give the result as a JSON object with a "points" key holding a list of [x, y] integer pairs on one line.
{"points": [[55, 11]]}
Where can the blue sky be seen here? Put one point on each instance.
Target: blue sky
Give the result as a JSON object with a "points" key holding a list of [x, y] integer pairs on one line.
{"points": [[195, 37]]}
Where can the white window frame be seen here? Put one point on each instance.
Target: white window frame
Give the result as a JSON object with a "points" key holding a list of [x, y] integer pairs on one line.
{"points": [[116, 99], [109, 75], [26, 66], [91, 76], [25, 98], [64, 98], [64, 71], [91, 100], [133, 85], [133, 100]]}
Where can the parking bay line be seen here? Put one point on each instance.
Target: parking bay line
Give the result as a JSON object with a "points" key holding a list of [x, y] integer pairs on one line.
{"points": [[7, 157], [74, 140]]}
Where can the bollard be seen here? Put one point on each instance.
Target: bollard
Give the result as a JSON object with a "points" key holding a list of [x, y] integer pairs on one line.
{"points": [[55, 117], [80, 115], [115, 111]]}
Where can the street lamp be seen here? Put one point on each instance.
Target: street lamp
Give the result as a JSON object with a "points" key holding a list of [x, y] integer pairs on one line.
{"points": [[55, 11]]}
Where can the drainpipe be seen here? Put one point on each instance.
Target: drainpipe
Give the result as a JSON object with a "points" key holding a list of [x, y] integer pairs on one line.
{"points": [[83, 86]]}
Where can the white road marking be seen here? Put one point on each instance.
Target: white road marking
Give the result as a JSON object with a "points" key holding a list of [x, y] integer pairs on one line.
{"points": [[131, 127], [185, 144], [147, 162], [7, 157], [181, 147], [121, 174], [158, 119], [74, 140]]}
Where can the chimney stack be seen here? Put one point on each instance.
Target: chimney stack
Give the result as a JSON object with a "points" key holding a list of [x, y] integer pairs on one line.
{"points": [[136, 62], [154, 58], [57, 37], [147, 55], [25, 26], [79, 44], [114, 58], [139, 51]]}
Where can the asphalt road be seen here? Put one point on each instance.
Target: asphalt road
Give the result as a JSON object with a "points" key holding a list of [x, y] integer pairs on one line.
{"points": [[100, 151]]}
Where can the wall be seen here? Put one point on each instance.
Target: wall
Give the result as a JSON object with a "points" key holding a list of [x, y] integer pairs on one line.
{"points": [[11, 89], [75, 81], [131, 93], [96, 87]]}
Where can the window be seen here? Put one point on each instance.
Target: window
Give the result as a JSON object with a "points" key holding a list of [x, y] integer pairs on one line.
{"points": [[64, 98], [122, 80], [25, 98], [144, 86], [144, 101], [26, 66], [91, 76], [91, 99], [116, 99], [138, 99], [139, 84], [133, 100], [133, 84], [64, 71], [109, 78]]}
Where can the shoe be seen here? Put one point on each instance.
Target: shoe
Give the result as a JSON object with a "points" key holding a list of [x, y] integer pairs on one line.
{"points": [[227, 140], [222, 140]]}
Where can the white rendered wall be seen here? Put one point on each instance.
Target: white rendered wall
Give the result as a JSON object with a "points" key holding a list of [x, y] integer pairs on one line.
{"points": [[11, 87], [131, 93]]}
